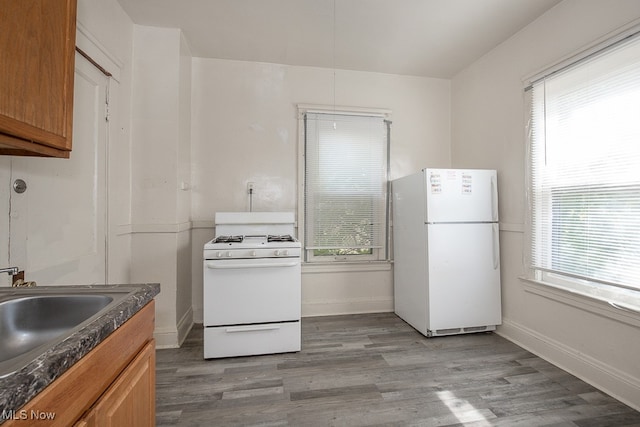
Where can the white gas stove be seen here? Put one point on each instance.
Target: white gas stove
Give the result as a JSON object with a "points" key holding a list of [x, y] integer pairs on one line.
{"points": [[252, 285]]}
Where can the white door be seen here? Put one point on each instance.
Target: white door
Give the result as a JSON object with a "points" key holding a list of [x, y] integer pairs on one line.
{"points": [[461, 195], [57, 227], [464, 275]]}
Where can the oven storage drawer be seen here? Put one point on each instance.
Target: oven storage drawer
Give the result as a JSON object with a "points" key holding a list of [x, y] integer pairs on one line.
{"points": [[245, 340]]}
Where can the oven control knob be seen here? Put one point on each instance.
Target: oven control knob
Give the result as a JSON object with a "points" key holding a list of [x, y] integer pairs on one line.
{"points": [[282, 253], [254, 253], [219, 255], [229, 254]]}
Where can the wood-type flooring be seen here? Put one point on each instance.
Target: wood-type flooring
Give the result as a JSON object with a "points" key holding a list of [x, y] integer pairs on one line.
{"points": [[375, 370]]}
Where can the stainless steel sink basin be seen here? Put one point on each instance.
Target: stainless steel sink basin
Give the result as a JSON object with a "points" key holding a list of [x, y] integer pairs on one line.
{"points": [[33, 320]]}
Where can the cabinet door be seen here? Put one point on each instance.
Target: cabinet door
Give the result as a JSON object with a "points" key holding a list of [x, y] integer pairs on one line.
{"points": [[130, 401], [37, 44]]}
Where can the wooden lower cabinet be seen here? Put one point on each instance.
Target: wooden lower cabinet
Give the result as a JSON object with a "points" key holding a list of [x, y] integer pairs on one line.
{"points": [[130, 401]]}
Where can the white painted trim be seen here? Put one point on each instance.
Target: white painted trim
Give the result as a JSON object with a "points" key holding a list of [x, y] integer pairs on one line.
{"points": [[591, 48], [342, 109], [301, 175], [198, 314], [347, 306], [601, 375], [203, 224], [346, 267], [154, 228], [581, 301], [301, 110], [166, 338], [512, 227], [92, 47], [184, 326], [123, 229]]}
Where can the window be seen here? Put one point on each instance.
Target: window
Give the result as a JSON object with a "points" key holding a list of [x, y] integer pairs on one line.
{"points": [[346, 186], [584, 189]]}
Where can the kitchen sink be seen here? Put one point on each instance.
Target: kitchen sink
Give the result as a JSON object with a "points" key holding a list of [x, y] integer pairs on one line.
{"points": [[34, 320]]}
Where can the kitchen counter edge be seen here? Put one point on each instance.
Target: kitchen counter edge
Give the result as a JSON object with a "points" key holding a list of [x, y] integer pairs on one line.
{"points": [[17, 388]]}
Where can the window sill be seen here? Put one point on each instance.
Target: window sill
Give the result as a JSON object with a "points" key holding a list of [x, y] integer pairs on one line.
{"points": [[625, 309], [345, 267]]}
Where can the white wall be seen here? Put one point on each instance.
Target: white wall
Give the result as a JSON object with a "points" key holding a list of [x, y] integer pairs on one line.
{"points": [[589, 339], [149, 159], [184, 308], [244, 128], [161, 153]]}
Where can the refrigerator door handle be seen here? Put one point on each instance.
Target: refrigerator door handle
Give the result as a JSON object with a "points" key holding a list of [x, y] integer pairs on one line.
{"points": [[494, 199], [496, 246]]}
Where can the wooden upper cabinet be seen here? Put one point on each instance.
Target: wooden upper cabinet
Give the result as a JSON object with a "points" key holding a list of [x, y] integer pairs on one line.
{"points": [[37, 55]]}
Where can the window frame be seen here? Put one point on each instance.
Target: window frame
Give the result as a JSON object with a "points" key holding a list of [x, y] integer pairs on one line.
{"points": [[619, 297], [378, 255]]}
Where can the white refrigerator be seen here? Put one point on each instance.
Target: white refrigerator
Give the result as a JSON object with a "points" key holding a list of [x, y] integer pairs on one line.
{"points": [[446, 251]]}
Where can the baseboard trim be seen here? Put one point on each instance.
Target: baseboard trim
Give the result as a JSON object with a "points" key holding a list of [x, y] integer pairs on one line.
{"points": [[173, 338], [184, 326], [348, 306], [166, 338], [599, 374], [198, 315]]}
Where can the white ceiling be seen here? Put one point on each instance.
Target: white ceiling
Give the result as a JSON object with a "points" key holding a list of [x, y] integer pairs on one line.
{"points": [[433, 38]]}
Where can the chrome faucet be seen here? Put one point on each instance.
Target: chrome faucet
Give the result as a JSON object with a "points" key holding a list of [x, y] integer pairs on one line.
{"points": [[12, 271]]}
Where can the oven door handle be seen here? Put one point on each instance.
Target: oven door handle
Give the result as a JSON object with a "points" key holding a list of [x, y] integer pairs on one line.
{"points": [[252, 328], [222, 266]]}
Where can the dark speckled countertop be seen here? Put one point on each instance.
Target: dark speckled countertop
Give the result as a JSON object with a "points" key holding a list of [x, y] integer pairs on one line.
{"points": [[21, 385]]}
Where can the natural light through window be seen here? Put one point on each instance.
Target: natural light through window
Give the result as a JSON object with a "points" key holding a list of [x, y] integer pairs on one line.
{"points": [[584, 174], [463, 410], [346, 182]]}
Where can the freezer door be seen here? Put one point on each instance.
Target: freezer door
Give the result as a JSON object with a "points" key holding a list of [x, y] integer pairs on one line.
{"points": [[464, 276], [461, 195]]}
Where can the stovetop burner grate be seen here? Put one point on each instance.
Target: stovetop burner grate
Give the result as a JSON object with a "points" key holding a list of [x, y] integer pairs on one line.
{"points": [[228, 239], [280, 238]]}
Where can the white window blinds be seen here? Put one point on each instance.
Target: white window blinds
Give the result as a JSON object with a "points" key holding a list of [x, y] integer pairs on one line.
{"points": [[345, 186], [585, 169]]}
